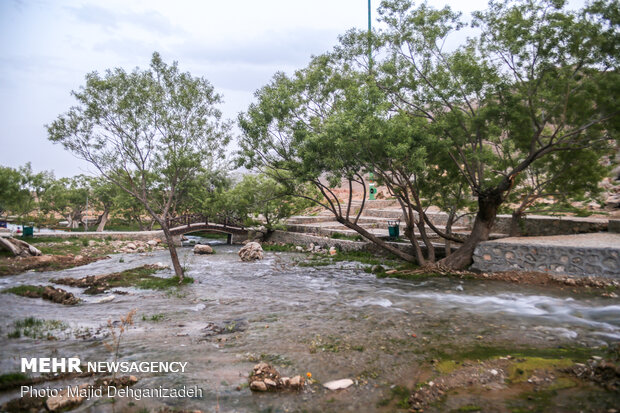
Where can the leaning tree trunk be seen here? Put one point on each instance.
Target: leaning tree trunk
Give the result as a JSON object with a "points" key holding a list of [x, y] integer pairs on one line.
{"points": [[18, 247], [103, 219], [375, 240], [178, 270], [449, 223], [485, 218]]}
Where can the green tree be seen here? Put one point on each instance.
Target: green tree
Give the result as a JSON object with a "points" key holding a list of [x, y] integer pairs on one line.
{"points": [[102, 199], [21, 189], [67, 197], [539, 80], [562, 177], [302, 132], [12, 191], [149, 131], [261, 200]]}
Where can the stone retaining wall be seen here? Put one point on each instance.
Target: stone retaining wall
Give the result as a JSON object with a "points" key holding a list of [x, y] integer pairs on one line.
{"points": [[541, 225], [581, 257]]}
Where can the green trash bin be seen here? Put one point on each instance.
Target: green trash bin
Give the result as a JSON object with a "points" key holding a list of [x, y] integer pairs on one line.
{"points": [[28, 232], [394, 229]]}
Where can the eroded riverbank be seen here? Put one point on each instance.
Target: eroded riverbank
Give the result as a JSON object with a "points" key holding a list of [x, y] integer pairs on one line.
{"points": [[335, 321]]}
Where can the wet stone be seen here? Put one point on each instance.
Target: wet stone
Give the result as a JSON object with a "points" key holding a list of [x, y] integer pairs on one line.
{"points": [[225, 327], [265, 377]]}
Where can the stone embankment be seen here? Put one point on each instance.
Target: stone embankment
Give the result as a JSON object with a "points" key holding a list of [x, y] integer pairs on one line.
{"points": [[582, 255]]}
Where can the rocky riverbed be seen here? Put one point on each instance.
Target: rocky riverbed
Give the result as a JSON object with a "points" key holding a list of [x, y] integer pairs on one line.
{"points": [[432, 344]]}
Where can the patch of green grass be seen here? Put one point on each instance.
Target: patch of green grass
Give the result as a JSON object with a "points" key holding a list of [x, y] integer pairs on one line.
{"points": [[482, 352], [142, 277], [14, 334], [210, 235], [25, 290], [401, 394], [276, 359], [522, 370], [36, 328], [337, 235], [446, 366], [331, 344], [368, 374], [157, 283], [9, 380], [561, 383], [366, 257], [154, 317], [47, 240], [279, 248], [535, 401]]}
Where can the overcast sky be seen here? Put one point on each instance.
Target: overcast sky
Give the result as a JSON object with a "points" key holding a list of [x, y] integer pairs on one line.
{"points": [[47, 46]]}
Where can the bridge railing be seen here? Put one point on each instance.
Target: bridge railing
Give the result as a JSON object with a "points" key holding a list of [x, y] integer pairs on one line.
{"points": [[189, 219]]}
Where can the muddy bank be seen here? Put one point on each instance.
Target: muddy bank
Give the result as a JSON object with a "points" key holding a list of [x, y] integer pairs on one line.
{"points": [[17, 265], [60, 254], [49, 293], [140, 277]]}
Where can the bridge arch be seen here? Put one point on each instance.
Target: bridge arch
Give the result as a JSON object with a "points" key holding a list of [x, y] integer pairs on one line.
{"points": [[190, 227]]}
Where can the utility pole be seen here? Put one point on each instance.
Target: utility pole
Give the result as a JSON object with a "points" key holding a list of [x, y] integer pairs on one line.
{"points": [[369, 40], [86, 217]]}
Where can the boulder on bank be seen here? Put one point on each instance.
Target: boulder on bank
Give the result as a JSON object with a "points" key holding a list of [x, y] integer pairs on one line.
{"points": [[203, 249], [18, 247], [251, 251]]}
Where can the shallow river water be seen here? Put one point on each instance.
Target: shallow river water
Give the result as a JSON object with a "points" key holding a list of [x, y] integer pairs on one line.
{"points": [[332, 321]]}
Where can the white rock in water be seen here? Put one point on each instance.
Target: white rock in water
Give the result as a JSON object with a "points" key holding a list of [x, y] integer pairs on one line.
{"points": [[131, 246], [251, 251], [106, 299], [338, 384], [199, 307], [203, 249]]}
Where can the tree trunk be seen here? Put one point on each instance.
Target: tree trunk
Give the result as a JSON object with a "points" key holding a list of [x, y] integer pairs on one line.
{"points": [[375, 240], [18, 247], [410, 234], [449, 223], [178, 270], [515, 223], [103, 219], [430, 254], [488, 203]]}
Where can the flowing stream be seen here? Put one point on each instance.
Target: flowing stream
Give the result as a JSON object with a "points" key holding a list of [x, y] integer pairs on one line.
{"points": [[333, 321]]}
